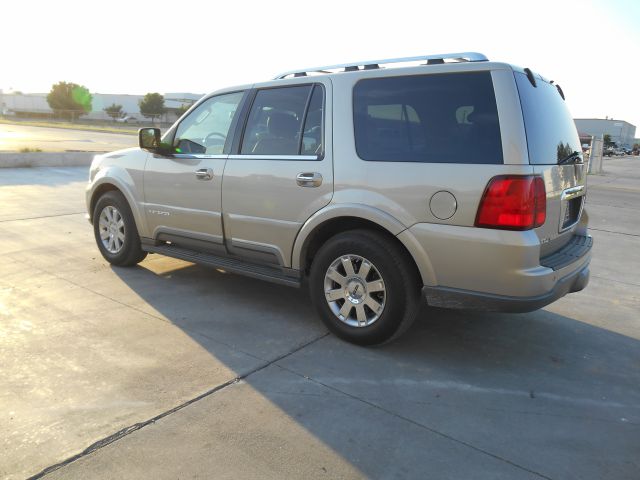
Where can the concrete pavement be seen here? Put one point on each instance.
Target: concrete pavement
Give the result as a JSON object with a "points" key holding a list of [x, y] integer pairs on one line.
{"points": [[14, 137], [172, 370]]}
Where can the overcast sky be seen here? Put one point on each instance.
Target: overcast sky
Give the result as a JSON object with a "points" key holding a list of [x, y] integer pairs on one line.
{"points": [[590, 47]]}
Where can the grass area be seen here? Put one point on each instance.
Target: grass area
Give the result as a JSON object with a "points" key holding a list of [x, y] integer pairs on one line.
{"points": [[29, 150], [125, 130]]}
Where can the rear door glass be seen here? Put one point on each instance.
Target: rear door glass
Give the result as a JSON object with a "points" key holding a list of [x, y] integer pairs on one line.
{"points": [[440, 118], [275, 121], [313, 125]]}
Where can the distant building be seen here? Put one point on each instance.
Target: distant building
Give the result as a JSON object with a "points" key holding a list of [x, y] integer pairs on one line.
{"points": [[36, 105], [621, 132], [22, 104]]}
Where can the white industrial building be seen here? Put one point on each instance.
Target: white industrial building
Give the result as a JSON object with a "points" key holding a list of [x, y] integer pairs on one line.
{"points": [[621, 132], [35, 104]]}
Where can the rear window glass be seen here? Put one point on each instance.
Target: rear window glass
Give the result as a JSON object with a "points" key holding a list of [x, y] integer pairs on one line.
{"points": [[551, 133], [443, 118]]}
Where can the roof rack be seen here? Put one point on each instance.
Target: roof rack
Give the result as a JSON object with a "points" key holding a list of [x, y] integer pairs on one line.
{"points": [[373, 64]]}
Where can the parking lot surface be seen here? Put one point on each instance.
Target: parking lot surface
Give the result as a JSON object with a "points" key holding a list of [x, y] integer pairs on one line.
{"points": [[14, 137], [172, 370]]}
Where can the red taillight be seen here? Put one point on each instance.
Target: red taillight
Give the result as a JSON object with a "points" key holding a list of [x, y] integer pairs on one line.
{"points": [[513, 203]]}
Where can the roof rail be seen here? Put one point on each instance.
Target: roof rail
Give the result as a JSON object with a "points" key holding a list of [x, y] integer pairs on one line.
{"points": [[372, 64]]}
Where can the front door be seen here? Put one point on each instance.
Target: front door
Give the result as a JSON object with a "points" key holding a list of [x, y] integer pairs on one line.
{"points": [[182, 191], [282, 173]]}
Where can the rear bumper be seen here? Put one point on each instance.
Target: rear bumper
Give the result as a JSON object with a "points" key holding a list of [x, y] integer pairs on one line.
{"points": [[456, 298]]}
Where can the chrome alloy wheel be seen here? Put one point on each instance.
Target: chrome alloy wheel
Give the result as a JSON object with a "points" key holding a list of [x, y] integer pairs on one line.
{"points": [[111, 227], [354, 290]]}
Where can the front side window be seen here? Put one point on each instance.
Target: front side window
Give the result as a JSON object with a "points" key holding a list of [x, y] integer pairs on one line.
{"points": [[285, 121], [206, 129], [439, 118]]}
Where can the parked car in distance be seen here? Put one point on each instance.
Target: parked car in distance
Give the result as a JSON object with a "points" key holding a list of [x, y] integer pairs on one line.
{"points": [[457, 180], [127, 119]]}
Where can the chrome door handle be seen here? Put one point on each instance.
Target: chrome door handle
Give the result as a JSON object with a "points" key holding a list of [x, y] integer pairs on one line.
{"points": [[309, 179], [204, 174]]}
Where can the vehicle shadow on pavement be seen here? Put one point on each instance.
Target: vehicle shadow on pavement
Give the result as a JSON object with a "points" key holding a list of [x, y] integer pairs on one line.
{"points": [[540, 389]]}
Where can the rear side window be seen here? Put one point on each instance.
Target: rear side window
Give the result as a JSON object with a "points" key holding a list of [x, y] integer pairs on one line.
{"points": [[551, 132], [285, 121], [443, 118]]}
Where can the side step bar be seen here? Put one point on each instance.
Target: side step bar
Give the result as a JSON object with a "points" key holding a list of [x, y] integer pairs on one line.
{"points": [[271, 274]]}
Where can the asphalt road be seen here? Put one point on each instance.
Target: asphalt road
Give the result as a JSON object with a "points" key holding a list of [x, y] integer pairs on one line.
{"points": [[172, 370], [16, 137]]}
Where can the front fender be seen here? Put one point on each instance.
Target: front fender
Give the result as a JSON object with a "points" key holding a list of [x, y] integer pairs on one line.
{"points": [[130, 187]]}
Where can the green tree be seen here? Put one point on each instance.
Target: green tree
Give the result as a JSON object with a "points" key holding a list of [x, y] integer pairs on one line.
{"points": [[607, 140], [152, 105], [114, 111], [181, 110], [69, 100]]}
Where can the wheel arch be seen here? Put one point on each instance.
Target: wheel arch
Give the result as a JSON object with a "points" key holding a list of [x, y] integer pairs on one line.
{"points": [[331, 221], [107, 184]]}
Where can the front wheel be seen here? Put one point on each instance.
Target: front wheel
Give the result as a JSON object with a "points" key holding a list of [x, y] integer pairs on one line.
{"points": [[115, 230], [364, 287]]}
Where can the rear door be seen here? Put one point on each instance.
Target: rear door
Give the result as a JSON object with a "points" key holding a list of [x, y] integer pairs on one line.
{"points": [[281, 172], [556, 154]]}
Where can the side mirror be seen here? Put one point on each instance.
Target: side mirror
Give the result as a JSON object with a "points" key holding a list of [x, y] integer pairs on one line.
{"points": [[149, 139]]}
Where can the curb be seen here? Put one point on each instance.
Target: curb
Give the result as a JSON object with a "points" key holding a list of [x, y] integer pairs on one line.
{"points": [[46, 159]]}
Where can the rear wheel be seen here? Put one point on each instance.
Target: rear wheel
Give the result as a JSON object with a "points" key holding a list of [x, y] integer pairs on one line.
{"points": [[364, 287], [115, 230]]}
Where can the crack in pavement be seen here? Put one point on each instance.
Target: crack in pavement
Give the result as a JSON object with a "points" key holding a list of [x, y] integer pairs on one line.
{"points": [[140, 425], [616, 281], [43, 216], [525, 412], [416, 423], [596, 204], [611, 231]]}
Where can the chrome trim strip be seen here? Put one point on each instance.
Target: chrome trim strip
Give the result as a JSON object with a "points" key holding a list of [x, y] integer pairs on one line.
{"points": [[573, 192], [569, 194], [199, 155], [273, 157]]}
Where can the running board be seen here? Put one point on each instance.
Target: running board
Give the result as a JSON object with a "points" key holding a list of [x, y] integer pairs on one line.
{"points": [[271, 274]]}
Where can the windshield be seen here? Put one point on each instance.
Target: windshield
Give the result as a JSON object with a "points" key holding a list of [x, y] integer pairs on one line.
{"points": [[551, 133]]}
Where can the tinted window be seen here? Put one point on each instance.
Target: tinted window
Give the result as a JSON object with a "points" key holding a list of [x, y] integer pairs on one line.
{"points": [[205, 130], [551, 133], [275, 121], [444, 118], [313, 134]]}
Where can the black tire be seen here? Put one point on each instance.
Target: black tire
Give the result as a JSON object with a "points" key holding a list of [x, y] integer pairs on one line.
{"points": [[399, 275], [131, 252]]}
